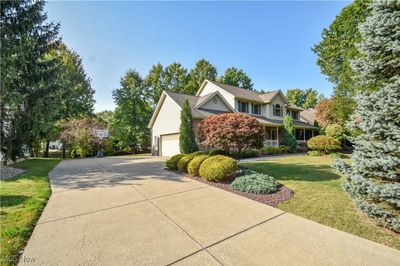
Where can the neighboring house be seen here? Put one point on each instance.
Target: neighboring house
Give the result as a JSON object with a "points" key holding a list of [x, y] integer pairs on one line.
{"points": [[215, 98]]}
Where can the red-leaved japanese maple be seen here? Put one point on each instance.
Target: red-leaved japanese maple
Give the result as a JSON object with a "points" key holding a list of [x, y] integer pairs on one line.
{"points": [[231, 132]]}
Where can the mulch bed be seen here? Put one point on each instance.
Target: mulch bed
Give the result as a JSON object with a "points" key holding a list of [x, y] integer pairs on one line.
{"points": [[272, 199], [7, 172]]}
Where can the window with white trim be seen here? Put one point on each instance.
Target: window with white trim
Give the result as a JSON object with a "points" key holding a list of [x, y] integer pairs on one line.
{"points": [[277, 110], [243, 107], [256, 109]]}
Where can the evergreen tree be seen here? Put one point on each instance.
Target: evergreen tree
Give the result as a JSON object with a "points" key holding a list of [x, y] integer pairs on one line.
{"points": [[373, 178], [187, 141], [29, 89], [289, 138]]}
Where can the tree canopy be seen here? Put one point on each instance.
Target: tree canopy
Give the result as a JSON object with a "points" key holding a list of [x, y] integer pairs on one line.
{"points": [[336, 50], [236, 77], [133, 112], [303, 98]]}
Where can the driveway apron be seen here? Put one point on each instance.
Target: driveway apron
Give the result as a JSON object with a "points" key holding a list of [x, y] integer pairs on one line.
{"points": [[131, 211]]}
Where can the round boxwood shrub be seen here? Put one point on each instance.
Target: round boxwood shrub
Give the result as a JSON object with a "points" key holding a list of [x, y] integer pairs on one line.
{"points": [[253, 182], [195, 163], [324, 144], [184, 161], [218, 168], [172, 163]]}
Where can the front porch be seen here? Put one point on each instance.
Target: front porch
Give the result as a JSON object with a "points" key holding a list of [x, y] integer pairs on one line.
{"points": [[273, 136]]}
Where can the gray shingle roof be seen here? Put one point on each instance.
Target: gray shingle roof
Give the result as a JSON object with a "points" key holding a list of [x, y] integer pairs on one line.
{"points": [[245, 93], [308, 116], [179, 98]]}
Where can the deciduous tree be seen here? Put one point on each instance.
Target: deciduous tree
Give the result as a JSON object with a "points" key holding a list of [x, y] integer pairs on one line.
{"points": [[202, 70], [336, 50], [132, 113], [231, 132], [323, 113], [236, 77]]}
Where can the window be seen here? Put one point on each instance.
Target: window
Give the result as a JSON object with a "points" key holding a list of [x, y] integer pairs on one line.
{"points": [[243, 107], [277, 110], [295, 115], [256, 109]]}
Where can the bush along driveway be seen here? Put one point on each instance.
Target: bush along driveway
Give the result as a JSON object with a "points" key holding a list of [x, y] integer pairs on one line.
{"points": [[318, 196], [22, 200], [131, 211]]}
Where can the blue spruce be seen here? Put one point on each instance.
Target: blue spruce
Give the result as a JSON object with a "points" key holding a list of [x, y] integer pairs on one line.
{"points": [[373, 177]]}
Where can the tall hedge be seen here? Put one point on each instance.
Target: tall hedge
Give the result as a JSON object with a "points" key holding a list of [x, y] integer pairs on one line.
{"points": [[373, 177], [289, 138], [187, 141]]}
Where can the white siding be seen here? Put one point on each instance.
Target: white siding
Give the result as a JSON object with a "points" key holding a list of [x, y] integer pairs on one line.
{"points": [[277, 100], [216, 103], [167, 120], [210, 88]]}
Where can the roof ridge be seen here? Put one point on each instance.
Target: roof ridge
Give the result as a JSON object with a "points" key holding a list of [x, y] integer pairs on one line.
{"points": [[187, 94]]}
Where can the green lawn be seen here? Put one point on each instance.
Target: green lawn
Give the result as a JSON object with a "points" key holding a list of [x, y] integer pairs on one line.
{"points": [[22, 201], [320, 197]]}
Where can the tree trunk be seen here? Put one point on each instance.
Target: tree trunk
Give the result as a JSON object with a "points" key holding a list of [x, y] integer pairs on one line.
{"points": [[46, 150], [63, 149]]}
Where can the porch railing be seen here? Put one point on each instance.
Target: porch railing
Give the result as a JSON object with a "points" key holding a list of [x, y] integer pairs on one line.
{"points": [[270, 142]]}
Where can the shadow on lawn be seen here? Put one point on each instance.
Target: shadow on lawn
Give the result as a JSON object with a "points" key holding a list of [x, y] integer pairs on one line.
{"points": [[12, 200], [296, 172]]}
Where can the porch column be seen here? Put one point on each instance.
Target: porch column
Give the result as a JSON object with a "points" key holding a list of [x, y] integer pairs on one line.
{"points": [[304, 135], [312, 132], [277, 136]]}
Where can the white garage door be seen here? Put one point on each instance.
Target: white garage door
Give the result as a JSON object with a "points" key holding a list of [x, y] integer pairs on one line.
{"points": [[170, 145]]}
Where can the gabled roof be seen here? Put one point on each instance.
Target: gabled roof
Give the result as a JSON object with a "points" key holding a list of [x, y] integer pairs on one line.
{"points": [[179, 98], [246, 94]]}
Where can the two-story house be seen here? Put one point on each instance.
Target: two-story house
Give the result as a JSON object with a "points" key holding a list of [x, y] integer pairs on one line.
{"points": [[215, 98]]}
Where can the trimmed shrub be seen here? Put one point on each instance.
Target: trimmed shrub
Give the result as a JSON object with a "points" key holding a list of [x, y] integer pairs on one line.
{"points": [[195, 163], [184, 161], [285, 149], [271, 150], [314, 153], [324, 144], [251, 153], [196, 153], [218, 168], [253, 182], [216, 152], [335, 131], [172, 163]]}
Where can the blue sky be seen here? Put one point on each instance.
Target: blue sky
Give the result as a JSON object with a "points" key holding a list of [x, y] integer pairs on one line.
{"points": [[271, 41]]}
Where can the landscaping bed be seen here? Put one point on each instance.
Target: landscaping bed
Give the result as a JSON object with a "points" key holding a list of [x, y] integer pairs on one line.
{"points": [[273, 199]]}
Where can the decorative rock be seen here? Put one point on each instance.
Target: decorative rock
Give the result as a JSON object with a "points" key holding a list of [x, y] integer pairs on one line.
{"points": [[9, 172]]}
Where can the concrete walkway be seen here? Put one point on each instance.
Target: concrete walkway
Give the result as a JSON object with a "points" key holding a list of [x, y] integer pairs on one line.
{"points": [[130, 211]]}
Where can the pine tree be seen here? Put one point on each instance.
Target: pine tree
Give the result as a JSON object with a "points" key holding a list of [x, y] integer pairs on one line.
{"points": [[373, 178], [289, 139], [187, 142]]}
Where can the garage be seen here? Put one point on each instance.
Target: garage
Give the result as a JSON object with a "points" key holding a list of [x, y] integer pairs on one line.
{"points": [[169, 144]]}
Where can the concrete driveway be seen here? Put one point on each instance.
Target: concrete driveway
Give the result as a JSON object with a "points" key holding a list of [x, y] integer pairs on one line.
{"points": [[130, 211]]}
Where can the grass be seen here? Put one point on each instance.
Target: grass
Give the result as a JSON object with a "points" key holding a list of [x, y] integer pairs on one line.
{"points": [[319, 196], [22, 200]]}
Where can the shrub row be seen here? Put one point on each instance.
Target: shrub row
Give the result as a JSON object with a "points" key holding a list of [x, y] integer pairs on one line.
{"points": [[213, 168]]}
